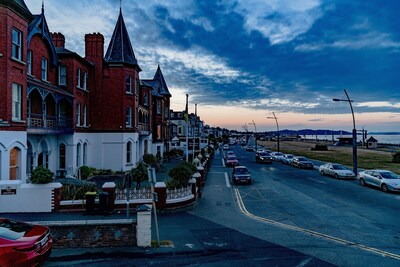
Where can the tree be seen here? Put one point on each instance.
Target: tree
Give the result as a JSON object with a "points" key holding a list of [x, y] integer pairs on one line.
{"points": [[150, 160], [396, 157], [139, 173], [41, 175]]}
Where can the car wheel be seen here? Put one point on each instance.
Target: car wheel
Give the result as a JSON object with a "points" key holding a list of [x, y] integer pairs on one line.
{"points": [[362, 182], [385, 188], [336, 176], [322, 173]]}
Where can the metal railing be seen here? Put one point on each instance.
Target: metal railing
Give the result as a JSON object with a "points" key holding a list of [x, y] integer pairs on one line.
{"points": [[120, 194], [52, 122], [179, 193]]}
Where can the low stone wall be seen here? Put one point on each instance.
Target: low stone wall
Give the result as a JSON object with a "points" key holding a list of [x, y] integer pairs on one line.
{"points": [[90, 234]]}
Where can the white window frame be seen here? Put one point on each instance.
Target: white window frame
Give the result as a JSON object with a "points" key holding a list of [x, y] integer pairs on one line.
{"points": [[84, 115], [78, 155], [129, 152], [84, 85], [78, 114], [78, 78], [128, 84], [128, 117], [84, 156], [16, 101], [44, 69], [29, 62], [16, 44], [62, 75]]}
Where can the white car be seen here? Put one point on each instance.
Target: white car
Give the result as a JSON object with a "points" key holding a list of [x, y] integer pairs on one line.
{"points": [[385, 180], [287, 158], [277, 156], [336, 170], [226, 147]]}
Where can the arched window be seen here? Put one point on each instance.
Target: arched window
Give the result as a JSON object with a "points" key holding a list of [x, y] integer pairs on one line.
{"points": [[78, 155], [146, 147], [84, 154], [15, 161], [61, 156], [129, 152]]}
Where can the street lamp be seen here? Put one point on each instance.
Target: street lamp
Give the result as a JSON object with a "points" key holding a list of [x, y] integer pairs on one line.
{"points": [[255, 132], [354, 130], [277, 126]]}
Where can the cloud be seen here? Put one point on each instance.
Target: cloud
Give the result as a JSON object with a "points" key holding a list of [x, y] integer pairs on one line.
{"points": [[279, 21]]}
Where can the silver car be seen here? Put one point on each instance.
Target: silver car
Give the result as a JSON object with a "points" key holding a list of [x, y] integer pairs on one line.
{"points": [[336, 170], [385, 180]]}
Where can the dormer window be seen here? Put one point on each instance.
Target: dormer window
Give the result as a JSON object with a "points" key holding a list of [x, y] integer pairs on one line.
{"points": [[128, 86], [16, 44], [44, 69]]}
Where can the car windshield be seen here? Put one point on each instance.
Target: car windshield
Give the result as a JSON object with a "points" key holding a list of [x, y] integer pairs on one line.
{"points": [[289, 156], [389, 175], [278, 154], [231, 158], [263, 154], [241, 171], [338, 167], [13, 230], [303, 159]]}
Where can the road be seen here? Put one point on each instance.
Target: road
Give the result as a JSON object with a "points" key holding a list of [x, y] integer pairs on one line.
{"points": [[286, 217], [360, 224]]}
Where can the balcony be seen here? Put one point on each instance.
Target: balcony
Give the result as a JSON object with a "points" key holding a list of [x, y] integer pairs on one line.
{"points": [[41, 124], [144, 128]]}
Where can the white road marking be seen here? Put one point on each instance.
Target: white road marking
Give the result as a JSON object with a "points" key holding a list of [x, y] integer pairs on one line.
{"points": [[223, 162], [322, 182], [228, 184], [243, 209]]}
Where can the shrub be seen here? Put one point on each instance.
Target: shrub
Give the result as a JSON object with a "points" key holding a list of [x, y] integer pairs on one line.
{"points": [[150, 159], [396, 157], [320, 147], [86, 172], [76, 192], [41, 175], [139, 174], [181, 174]]}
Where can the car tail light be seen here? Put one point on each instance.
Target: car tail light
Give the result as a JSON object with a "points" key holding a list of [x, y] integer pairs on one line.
{"points": [[28, 248]]}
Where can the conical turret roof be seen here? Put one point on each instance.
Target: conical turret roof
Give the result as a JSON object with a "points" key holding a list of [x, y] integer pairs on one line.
{"points": [[120, 48]]}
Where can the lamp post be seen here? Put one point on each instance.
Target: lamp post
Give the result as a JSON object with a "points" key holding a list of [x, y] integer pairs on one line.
{"points": [[354, 130], [255, 132], [277, 126]]}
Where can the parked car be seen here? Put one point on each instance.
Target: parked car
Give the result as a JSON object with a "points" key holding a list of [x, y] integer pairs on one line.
{"points": [[277, 156], [23, 244], [302, 162], [336, 170], [259, 150], [229, 154], [240, 174], [249, 148], [287, 158], [231, 161], [385, 180], [263, 157]]}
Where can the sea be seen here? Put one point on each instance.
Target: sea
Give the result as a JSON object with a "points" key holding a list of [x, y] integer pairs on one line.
{"points": [[390, 139]]}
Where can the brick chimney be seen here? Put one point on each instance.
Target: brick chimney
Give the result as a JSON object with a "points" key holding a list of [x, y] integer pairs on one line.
{"points": [[94, 47], [58, 39]]}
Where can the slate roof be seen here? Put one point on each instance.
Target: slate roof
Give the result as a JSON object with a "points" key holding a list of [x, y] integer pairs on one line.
{"points": [[159, 85], [120, 48], [19, 6], [160, 78]]}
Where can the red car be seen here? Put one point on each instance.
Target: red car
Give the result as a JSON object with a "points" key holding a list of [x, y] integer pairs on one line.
{"points": [[23, 244], [231, 161]]}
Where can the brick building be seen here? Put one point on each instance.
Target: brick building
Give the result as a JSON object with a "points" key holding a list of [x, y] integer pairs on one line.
{"points": [[63, 111]]}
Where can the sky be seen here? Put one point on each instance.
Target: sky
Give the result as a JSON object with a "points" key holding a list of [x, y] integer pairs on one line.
{"points": [[241, 60]]}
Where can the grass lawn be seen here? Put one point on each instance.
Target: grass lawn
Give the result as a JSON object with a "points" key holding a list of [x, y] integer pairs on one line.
{"points": [[367, 158]]}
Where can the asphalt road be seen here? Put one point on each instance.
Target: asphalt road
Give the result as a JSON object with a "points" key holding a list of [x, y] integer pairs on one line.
{"points": [[340, 212], [286, 217]]}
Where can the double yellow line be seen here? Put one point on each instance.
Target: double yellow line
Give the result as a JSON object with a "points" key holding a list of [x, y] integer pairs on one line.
{"points": [[243, 209]]}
